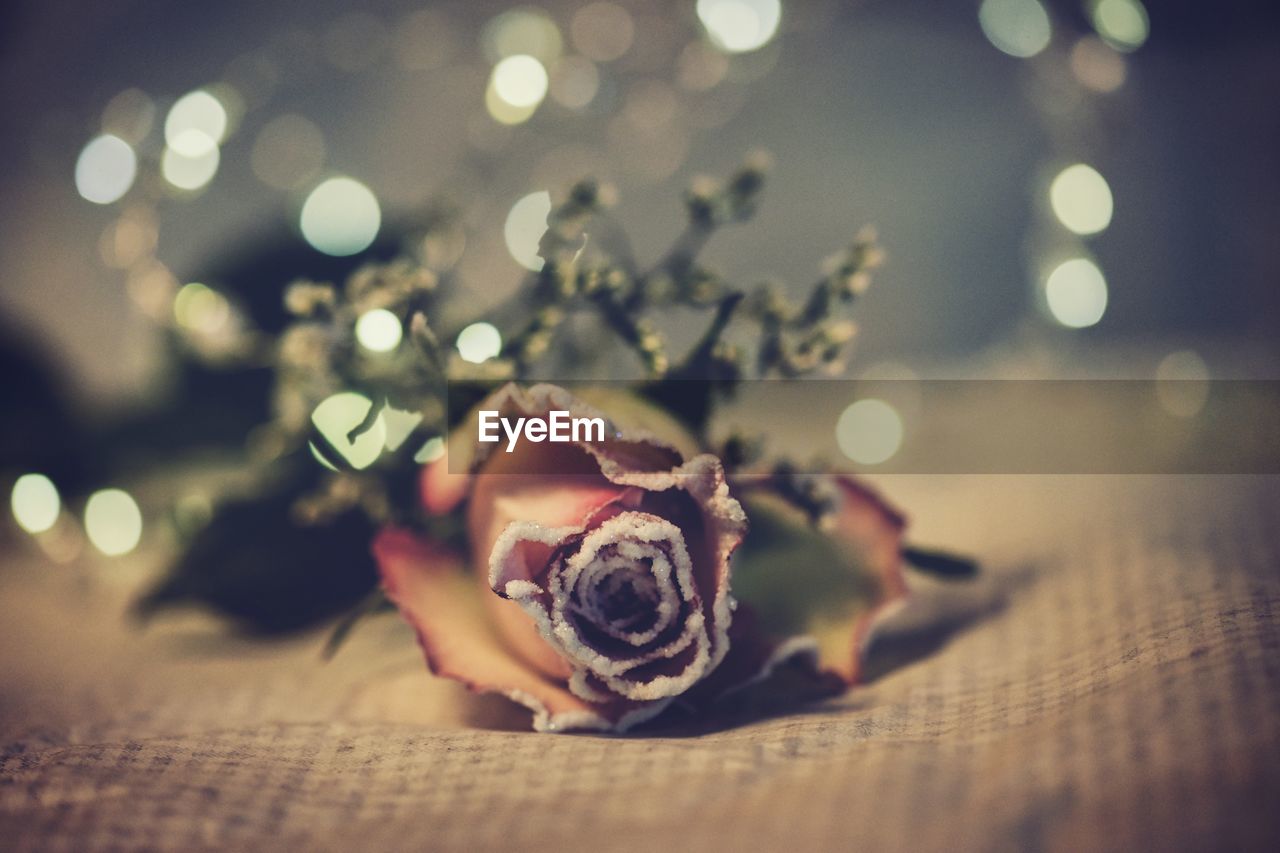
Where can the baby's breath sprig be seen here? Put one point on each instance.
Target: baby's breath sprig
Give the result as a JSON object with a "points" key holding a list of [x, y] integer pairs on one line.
{"points": [[588, 269], [712, 204], [814, 337], [612, 286]]}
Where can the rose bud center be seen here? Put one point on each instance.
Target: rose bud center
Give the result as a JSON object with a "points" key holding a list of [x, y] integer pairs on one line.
{"points": [[624, 604]]}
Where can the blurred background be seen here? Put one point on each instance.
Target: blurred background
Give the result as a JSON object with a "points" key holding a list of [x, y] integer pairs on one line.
{"points": [[947, 125], [1063, 188]]}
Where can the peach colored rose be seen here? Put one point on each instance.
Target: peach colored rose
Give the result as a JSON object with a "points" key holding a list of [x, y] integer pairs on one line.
{"points": [[598, 588], [603, 571]]}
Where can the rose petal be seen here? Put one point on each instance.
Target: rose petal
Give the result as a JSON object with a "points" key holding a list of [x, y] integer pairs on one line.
{"points": [[656, 671], [872, 529], [834, 585], [441, 489], [546, 504], [438, 597]]}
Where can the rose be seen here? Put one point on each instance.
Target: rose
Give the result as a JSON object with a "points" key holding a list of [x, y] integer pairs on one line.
{"points": [[599, 586], [605, 569]]}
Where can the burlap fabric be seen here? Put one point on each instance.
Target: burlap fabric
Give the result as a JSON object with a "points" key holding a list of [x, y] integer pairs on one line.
{"points": [[1114, 683]]}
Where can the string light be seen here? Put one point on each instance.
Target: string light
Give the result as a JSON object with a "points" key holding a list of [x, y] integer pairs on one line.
{"points": [[479, 342], [740, 26], [35, 503], [1019, 28], [335, 418], [105, 169], [113, 522], [340, 217], [525, 225], [1123, 24], [196, 122], [190, 171], [869, 431], [1081, 199], [1076, 293], [520, 81], [430, 451], [379, 330], [199, 308]]}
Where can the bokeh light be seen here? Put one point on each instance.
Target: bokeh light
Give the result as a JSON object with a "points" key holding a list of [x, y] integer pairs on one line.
{"points": [[503, 112], [152, 287], [199, 308], [379, 330], [288, 152], [650, 105], [130, 239], [35, 503], [105, 169], [1182, 383], [602, 31], [1017, 27], [340, 217], [113, 522], [190, 172], [196, 122], [524, 30], [525, 225], [869, 431], [479, 342], [700, 68], [129, 115], [1076, 293], [399, 425], [1122, 23], [431, 450], [1081, 199], [574, 82], [520, 81], [336, 417], [191, 512], [740, 26], [1097, 66]]}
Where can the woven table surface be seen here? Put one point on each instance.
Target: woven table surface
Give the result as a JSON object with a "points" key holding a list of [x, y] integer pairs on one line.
{"points": [[1112, 682]]}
